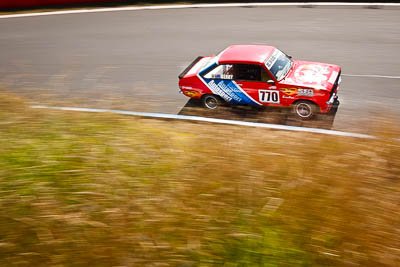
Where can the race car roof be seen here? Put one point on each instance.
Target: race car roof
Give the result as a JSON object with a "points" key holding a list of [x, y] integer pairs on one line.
{"points": [[245, 54]]}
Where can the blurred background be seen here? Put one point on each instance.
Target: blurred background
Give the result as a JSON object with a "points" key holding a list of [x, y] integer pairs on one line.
{"points": [[102, 189]]}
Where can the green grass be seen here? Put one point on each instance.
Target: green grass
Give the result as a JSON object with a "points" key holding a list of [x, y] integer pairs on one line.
{"points": [[101, 189]]}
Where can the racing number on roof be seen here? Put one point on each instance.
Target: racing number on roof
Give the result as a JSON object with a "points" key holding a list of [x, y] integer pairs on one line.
{"points": [[268, 96]]}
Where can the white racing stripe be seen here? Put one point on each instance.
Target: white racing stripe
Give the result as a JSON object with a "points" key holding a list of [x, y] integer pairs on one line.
{"points": [[133, 8], [212, 120], [372, 76], [246, 94]]}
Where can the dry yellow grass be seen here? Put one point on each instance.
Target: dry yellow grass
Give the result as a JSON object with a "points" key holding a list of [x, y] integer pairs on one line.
{"points": [[102, 189]]}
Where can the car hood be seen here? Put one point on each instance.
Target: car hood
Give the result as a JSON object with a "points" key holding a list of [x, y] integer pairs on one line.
{"points": [[315, 75]]}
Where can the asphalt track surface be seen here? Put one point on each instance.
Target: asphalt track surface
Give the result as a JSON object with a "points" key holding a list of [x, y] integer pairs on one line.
{"points": [[131, 59]]}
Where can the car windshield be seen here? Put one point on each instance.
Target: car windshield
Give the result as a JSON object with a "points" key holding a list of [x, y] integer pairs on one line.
{"points": [[278, 64]]}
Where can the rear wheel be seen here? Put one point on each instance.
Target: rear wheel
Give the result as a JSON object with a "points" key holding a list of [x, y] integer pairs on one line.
{"points": [[304, 110], [211, 101]]}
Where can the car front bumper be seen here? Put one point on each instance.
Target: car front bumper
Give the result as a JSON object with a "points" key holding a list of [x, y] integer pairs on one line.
{"points": [[334, 107], [332, 100]]}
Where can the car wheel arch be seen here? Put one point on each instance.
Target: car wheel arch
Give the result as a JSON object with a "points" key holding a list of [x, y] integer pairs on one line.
{"points": [[306, 100]]}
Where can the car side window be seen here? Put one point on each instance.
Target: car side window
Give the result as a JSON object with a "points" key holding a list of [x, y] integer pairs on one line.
{"points": [[224, 71], [251, 72]]}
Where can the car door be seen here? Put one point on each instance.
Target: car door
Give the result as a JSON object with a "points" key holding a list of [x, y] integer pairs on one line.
{"points": [[253, 79], [220, 79]]}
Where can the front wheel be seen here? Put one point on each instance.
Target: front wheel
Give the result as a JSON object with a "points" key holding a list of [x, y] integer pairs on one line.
{"points": [[304, 110], [211, 101]]}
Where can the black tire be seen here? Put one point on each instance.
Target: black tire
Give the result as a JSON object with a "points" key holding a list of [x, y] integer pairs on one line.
{"points": [[211, 101], [304, 110]]}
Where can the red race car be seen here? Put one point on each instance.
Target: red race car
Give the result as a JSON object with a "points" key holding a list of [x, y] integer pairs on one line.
{"points": [[263, 76]]}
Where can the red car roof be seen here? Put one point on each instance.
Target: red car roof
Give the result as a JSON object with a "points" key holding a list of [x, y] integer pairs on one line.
{"points": [[245, 54]]}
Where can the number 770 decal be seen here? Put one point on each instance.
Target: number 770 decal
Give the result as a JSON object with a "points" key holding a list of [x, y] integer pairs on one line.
{"points": [[268, 96]]}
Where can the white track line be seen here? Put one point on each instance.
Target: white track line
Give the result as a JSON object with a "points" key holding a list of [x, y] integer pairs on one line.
{"points": [[372, 76], [212, 120], [133, 8]]}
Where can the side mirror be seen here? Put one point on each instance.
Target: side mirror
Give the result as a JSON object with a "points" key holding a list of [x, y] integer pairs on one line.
{"points": [[271, 82]]}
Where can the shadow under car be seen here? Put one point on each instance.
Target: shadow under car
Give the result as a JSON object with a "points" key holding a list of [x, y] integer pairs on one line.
{"points": [[265, 114]]}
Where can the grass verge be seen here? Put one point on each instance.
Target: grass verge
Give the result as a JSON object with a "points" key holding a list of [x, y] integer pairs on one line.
{"points": [[103, 189]]}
